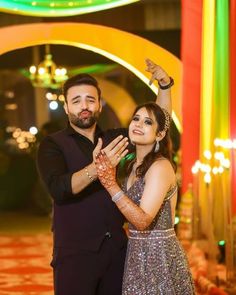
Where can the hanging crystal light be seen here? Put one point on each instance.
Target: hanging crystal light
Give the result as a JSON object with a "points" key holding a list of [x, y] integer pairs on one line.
{"points": [[47, 74]]}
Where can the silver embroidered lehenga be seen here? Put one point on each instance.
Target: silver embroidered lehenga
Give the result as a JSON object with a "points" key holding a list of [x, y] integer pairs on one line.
{"points": [[155, 261]]}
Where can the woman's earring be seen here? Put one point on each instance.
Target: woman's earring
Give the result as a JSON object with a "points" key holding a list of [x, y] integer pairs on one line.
{"points": [[132, 143], [157, 146]]}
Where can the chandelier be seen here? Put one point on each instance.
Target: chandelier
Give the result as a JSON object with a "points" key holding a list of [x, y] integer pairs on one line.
{"points": [[47, 74]]}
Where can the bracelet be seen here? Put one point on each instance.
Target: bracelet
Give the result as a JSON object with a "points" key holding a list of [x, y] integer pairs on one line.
{"points": [[117, 196], [164, 87], [87, 173]]}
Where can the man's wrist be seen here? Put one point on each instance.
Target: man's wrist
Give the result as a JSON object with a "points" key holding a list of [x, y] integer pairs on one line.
{"points": [[91, 170], [90, 177]]}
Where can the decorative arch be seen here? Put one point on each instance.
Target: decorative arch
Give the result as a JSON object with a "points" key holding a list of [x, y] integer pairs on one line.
{"points": [[119, 98], [127, 49]]}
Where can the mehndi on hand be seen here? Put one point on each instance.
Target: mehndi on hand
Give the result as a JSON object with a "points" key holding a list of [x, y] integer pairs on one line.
{"points": [[106, 172]]}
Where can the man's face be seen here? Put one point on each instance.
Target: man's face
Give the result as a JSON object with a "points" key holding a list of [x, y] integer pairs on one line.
{"points": [[83, 106]]}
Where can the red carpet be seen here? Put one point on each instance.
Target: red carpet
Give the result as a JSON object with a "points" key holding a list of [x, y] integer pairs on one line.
{"points": [[24, 265]]}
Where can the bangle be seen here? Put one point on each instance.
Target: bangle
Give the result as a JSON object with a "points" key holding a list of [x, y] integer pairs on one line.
{"points": [[164, 87], [87, 173], [117, 196]]}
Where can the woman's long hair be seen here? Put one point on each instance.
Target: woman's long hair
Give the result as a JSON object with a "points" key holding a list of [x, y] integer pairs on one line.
{"points": [[165, 149]]}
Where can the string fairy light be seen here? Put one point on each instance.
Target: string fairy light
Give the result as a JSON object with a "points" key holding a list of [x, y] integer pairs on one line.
{"points": [[215, 163]]}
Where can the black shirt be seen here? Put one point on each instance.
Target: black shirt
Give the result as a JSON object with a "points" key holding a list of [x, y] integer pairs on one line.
{"points": [[52, 165]]}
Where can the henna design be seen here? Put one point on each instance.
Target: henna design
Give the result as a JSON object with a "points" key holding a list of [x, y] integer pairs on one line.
{"points": [[133, 213], [106, 172]]}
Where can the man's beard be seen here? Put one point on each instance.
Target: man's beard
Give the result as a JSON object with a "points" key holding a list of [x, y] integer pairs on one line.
{"points": [[84, 123]]}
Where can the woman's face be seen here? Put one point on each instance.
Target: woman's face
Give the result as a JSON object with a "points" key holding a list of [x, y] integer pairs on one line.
{"points": [[143, 128]]}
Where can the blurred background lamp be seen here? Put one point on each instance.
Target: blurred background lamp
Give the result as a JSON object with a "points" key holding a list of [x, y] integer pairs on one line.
{"points": [[53, 105]]}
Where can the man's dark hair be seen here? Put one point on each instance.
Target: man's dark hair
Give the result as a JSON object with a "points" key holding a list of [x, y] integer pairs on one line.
{"points": [[80, 79]]}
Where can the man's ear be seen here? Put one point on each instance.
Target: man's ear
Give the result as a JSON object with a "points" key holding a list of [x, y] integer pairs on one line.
{"points": [[65, 107], [100, 105]]}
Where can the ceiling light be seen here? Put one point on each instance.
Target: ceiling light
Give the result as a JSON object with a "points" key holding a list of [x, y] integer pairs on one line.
{"points": [[47, 74]]}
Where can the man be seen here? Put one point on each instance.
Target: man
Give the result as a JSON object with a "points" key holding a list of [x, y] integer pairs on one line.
{"points": [[89, 240]]}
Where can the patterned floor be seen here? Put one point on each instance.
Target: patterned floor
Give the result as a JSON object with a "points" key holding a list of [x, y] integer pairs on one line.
{"points": [[24, 265], [25, 256]]}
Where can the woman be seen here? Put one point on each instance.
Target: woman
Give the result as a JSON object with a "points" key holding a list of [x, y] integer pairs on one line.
{"points": [[155, 261]]}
